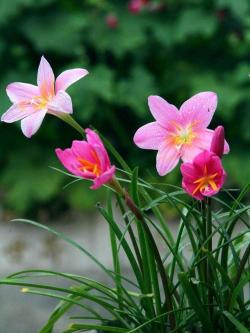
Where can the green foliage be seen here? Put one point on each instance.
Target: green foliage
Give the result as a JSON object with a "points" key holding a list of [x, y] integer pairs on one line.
{"points": [[187, 47], [199, 283]]}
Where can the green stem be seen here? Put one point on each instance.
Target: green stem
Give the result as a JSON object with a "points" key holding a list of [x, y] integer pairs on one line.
{"points": [[203, 263], [165, 281], [116, 265], [210, 249], [72, 122], [130, 231], [239, 273]]}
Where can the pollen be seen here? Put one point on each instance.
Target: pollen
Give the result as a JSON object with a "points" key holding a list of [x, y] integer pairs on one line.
{"points": [[39, 102], [205, 182], [87, 166], [183, 136]]}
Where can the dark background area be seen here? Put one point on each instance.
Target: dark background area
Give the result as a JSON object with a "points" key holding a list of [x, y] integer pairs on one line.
{"points": [[170, 48]]}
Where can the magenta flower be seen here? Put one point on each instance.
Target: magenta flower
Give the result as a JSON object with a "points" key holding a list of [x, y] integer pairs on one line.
{"points": [[204, 177], [88, 159], [31, 103], [218, 141], [178, 134]]}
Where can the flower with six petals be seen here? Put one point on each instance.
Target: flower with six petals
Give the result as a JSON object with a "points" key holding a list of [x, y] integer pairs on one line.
{"points": [[178, 134], [204, 177], [31, 103], [88, 159]]}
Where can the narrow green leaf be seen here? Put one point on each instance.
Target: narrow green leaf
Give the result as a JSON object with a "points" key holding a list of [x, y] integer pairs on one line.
{"points": [[241, 328]]}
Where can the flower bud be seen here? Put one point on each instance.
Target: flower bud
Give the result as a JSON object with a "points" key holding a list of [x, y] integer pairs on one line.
{"points": [[218, 141]]}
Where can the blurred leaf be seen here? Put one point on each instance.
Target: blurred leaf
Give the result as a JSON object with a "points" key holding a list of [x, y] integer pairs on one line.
{"points": [[194, 22], [29, 180], [80, 197], [239, 8], [134, 90], [61, 33]]}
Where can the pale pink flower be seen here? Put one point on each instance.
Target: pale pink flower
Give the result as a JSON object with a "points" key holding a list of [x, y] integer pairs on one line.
{"points": [[204, 177], [178, 134], [88, 159], [31, 103]]}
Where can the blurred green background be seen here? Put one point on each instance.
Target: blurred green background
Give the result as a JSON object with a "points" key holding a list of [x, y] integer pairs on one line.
{"points": [[173, 48]]}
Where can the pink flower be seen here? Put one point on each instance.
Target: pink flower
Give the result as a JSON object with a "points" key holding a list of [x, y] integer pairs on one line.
{"points": [[31, 103], [178, 134], [88, 159], [135, 6], [112, 21], [218, 141], [204, 177]]}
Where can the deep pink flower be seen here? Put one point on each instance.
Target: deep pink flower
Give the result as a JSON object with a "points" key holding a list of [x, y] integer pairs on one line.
{"points": [[178, 134], [218, 141], [31, 103], [88, 159], [204, 177]]}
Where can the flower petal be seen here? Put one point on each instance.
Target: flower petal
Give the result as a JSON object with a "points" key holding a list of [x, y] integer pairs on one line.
{"points": [[45, 78], [17, 112], [66, 78], [199, 109], [19, 91], [61, 103], [200, 143], [104, 178], [69, 161], [103, 157], [93, 138], [188, 171], [31, 124], [163, 112], [190, 188], [83, 150], [150, 136], [167, 158]]}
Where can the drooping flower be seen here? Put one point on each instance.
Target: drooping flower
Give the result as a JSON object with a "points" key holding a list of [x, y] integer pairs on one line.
{"points": [[88, 159], [218, 141], [204, 177], [31, 103], [178, 134]]}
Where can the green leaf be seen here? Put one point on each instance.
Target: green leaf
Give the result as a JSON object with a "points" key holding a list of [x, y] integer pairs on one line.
{"points": [[134, 90], [241, 328], [44, 32], [195, 302], [194, 22]]}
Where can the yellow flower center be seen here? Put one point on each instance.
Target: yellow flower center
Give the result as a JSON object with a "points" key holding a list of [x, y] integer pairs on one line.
{"points": [[205, 182], [40, 102], [183, 135], [87, 166]]}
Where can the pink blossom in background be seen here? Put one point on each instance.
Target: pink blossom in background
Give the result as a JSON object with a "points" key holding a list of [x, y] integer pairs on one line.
{"points": [[178, 134], [204, 177], [88, 159], [112, 21], [31, 103], [135, 6]]}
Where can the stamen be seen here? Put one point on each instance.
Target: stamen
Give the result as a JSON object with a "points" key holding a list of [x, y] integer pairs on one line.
{"points": [[205, 181], [88, 166]]}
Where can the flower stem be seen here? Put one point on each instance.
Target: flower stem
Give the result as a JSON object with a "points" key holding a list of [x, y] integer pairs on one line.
{"points": [[165, 281], [210, 249], [72, 122]]}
